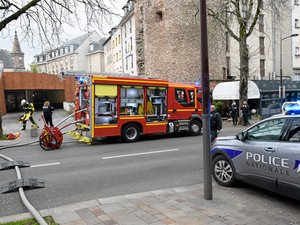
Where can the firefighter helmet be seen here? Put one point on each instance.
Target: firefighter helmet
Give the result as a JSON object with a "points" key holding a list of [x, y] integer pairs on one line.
{"points": [[23, 101]]}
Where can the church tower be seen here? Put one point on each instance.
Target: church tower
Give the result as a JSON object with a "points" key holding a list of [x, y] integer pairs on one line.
{"points": [[17, 55]]}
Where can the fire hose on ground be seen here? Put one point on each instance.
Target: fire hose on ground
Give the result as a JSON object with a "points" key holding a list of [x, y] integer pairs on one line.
{"points": [[25, 201]]}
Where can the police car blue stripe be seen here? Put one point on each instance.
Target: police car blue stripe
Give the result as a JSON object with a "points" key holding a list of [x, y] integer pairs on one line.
{"points": [[230, 152], [297, 163]]}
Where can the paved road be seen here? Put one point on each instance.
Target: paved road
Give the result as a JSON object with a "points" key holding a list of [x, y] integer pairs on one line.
{"points": [[78, 172]]}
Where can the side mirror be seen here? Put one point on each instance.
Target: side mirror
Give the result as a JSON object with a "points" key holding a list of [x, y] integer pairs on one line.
{"points": [[240, 136]]}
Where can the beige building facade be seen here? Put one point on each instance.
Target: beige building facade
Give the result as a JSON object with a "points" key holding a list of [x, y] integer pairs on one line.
{"points": [[73, 56]]}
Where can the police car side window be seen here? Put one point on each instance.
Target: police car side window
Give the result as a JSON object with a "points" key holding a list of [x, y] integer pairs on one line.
{"points": [[294, 132], [267, 131]]}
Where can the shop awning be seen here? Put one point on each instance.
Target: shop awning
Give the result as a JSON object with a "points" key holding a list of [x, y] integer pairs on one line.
{"points": [[230, 91]]}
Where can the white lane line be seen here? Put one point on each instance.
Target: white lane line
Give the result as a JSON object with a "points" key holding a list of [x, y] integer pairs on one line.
{"points": [[141, 153], [46, 164]]}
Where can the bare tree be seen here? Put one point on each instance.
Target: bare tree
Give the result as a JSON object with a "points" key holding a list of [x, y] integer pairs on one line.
{"points": [[239, 18], [44, 18]]}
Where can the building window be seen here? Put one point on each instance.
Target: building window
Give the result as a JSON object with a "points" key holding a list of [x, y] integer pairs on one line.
{"points": [[125, 30], [125, 47], [227, 41], [297, 23], [228, 67], [91, 47], [120, 55], [262, 45], [119, 39], [130, 43], [130, 26], [117, 57], [261, 23], [126, 64], [131, 61], [297, 51], [262, 68]]}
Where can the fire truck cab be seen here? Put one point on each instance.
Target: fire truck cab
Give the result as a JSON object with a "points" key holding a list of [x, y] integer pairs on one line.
{"points": [[129, 107]]}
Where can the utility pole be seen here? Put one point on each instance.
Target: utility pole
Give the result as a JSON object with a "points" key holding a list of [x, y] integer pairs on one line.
{"points": [[281, 81], [205, 103]]}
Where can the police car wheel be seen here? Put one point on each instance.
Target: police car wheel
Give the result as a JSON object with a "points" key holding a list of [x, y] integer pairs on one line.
{"points": [[130, 133], [195, 128], [223, 171]]}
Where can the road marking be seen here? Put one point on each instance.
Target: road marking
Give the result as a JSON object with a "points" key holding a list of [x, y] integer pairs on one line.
{"points": [[141, 153], [46, 164]]}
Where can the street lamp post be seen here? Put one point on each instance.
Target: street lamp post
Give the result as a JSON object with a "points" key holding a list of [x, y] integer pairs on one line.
{"points": [[281, 83]]}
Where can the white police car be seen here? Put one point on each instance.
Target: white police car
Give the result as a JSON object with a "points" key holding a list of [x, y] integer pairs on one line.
{"points": [[266, 155]]}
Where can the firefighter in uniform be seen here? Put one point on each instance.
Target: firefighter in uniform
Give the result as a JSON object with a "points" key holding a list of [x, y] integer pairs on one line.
{"points": [[28, 112]]}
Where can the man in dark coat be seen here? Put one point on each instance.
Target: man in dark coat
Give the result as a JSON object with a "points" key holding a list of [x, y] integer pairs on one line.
{"points": [[215, 123], [47, 112], [234, 113], [245, 112]]}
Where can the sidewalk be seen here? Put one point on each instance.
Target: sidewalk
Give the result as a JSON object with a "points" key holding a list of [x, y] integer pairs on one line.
{"points": [[242, 205]]}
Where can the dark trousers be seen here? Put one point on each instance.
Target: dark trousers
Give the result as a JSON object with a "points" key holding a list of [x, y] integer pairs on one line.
{"points": [[245, 118], [234, 120], [48, 121], [213, 134], [31, 119]]}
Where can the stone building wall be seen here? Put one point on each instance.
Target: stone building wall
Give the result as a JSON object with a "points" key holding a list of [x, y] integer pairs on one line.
{"points": [[168, 41]]}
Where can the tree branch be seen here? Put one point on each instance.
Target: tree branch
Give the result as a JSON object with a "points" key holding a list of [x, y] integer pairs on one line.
{"points": [[224, 23], [258, 7], [18, 13]]}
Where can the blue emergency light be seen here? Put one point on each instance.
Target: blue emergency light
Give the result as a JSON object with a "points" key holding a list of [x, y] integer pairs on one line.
{"points": [[292, 110]]}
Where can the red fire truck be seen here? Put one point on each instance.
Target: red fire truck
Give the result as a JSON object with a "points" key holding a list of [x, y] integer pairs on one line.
{"points": [[128, 107]]}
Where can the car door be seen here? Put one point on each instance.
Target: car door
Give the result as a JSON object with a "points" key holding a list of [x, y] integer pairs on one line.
{"points": [[260, 151], [289, 152]]}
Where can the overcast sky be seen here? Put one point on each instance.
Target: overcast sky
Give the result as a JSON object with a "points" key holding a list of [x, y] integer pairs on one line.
{"points": [[30, 49]]}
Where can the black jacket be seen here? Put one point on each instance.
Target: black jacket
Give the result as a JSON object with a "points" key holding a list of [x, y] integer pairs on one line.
{"points": [[234, 111], [215, 121], [245, 109], [47, 111]]}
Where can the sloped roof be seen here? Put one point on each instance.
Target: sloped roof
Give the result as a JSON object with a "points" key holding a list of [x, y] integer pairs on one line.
{"points": [[5, 57], [76, 41], [16, 45]]}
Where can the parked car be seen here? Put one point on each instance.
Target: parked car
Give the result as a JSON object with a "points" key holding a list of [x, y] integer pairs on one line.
{"points": [[267, 155]]}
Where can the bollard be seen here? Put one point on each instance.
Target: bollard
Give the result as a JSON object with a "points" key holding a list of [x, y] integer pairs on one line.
{"points": [[33, 132]]}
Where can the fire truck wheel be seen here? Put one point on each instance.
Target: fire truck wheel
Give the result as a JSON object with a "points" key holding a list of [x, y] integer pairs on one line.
{"points": [[195, 127], [130, 133]]}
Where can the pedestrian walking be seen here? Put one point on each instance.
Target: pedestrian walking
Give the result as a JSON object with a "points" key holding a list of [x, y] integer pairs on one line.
{"points": [[47, 113], [234, 113], [28, 114], [245, 112], [215, 123]]}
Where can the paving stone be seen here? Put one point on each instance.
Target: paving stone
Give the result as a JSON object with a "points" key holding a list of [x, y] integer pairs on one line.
{"points": [[150, 210], [110, 222], [127, 203], [111, 199], [112, 207], [163, 192], [163, 208], [147, 217], [97, 211], [157, 223], [138, 195], [76, 222], [104, 217], [65, 217], [88, 217]]}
